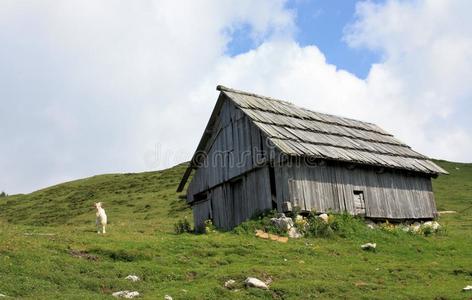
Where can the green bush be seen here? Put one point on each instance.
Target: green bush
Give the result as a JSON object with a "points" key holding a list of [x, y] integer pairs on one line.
{"points": [[317, 227], [183, 226], [342, 225], [209, 227], [427, 230], [3, 194], [296, 210], [348, 225]]}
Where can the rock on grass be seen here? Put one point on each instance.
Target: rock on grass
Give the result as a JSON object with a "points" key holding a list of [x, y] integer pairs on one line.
{"points": [[256, 283], [369, 246], [132, 278], [230, 284], [126, 294]]}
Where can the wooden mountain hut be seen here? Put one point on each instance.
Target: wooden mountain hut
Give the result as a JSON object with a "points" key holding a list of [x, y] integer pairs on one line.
{"points": [[259, 153]]}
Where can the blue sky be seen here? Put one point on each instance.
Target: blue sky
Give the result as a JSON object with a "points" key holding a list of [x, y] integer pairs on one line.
{"points": [[320, 23]]}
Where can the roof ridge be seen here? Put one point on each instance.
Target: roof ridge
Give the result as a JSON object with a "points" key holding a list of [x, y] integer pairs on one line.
{"points": [[223, 88]]}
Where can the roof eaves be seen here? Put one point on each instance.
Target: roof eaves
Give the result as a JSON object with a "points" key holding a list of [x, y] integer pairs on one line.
{"points": [[207, 133]]}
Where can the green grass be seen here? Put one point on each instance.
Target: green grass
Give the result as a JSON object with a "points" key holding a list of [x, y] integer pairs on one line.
{"points": [[142, 209]]}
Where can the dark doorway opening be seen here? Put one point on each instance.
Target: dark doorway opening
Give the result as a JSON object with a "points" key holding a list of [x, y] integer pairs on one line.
{"points": [[237, 200], [273, 189]]}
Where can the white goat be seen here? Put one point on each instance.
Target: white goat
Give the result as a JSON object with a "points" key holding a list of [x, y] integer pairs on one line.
{"points": [[101, 217]]}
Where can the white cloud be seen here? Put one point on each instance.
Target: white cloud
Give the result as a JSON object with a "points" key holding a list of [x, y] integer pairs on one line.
{"points": [[283, 69], [89, 87], [420, 91], [427, 47]]}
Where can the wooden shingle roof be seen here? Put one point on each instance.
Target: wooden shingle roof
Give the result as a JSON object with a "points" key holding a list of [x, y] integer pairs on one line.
{"points": [[298, 131]]}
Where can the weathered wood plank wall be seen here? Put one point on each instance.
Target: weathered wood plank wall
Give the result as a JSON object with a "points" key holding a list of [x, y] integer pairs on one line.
{"points": [[237, 147], [392, 195], [236, 201], [234, 175]]}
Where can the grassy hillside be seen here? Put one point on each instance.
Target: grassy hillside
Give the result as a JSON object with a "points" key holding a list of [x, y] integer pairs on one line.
{"points": [[49, 248], [132, 198]]}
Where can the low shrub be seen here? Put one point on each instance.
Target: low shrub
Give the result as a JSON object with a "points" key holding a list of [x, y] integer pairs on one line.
{"points": [[342, 225], [317, 227], [209, 227], [427, 230], [183, 226]]}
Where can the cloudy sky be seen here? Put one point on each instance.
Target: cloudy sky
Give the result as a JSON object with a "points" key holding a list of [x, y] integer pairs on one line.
{"points": [[92, 87]]}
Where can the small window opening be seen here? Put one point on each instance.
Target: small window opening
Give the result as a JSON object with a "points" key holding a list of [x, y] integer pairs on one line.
{"points": [[200, 196], [359, 202]]}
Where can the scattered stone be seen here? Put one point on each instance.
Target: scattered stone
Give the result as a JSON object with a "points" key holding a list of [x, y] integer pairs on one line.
{"points": [[230, 284], [282, 222], [369, 246], [415, 227], [428, 224], [467, 288], [294, 233], [286, 224], [256, 283], [408, 226], [433, 224], [371, 224], [418, 227], [2, 295], [324, 217], [285, 259], [132, 278], [126, 294], [405, 228], [167, 297]]}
